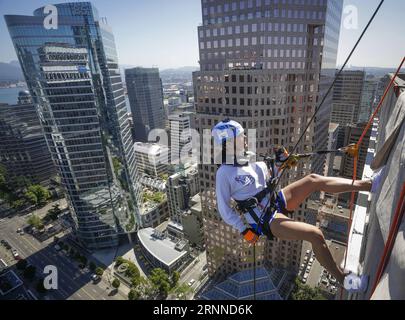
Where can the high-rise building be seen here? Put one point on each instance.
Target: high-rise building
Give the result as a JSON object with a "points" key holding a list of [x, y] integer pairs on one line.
{"points": [[368, 98], [73, 76], [352, 135], [151, 158], [265, 64], [180, 187], [180, 126], [23, 149], [347, 97], [145, 94], [332, 145]]}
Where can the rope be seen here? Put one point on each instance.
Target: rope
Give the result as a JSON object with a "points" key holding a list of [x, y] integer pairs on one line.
{"points": [[356, 156], [313, 118], [333, 84]]}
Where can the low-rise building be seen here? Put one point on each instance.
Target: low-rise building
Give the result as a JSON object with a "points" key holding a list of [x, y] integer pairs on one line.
{"points": [[271, 284], [162, 251]]}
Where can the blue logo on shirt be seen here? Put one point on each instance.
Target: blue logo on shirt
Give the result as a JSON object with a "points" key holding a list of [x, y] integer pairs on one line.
{"points": [[246, 180]]}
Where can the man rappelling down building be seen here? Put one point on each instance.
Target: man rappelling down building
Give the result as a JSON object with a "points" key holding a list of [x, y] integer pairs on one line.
{"points": [[244, 188]]}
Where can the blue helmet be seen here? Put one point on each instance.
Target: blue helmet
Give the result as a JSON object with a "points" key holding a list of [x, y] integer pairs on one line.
{"points": [[226, 130]]}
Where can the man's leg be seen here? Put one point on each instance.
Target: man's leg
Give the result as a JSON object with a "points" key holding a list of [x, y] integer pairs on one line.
{"points": [[297, 192], [287, 229]]}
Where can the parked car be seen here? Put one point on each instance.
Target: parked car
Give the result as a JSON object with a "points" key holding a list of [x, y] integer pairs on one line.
{"points": [[191, 282], [95, 277], [57, 247], [15, 254]]}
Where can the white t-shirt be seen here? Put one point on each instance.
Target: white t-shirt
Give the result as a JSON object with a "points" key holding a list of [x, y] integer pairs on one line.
{"points": [[239, 183]]}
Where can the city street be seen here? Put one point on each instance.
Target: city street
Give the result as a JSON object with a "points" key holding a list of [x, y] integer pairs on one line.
{"points": [[194, 271], [74, 283]]}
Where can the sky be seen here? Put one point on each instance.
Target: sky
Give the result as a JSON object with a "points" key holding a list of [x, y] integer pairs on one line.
{"points": [[163, 33]]}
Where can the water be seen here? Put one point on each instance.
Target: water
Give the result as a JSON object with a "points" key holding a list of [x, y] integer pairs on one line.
{"points": [[10, 95]]}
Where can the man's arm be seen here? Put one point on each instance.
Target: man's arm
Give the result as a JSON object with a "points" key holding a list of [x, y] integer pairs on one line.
{"points": [[229, 215]]}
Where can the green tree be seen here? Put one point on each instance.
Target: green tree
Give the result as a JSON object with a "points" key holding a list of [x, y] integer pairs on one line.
{"points": [[174, 278], [36, 222], [146, 289], [119, 260], [22, 264], [18, 204], [182, 291], [116, 283], [99, 271], [304, 292], [37, 195], [54, 212], [134, 295], [29, 272], [161, 281]]}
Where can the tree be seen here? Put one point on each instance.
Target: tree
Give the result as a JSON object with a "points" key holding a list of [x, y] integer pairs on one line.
{"points": [[22, 264], [175, 278], [18, 204], [119, 260], [29, 272], [99, 271], [54, 212], [304, 292], [36, 222], [160, 280], [134, 295], [146, 289], [37, 195], [116, 283], [182, 291], [135, 281]]}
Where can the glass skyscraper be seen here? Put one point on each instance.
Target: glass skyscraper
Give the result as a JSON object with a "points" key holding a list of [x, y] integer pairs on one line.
{"points": [[145, 94], [73, 76]]}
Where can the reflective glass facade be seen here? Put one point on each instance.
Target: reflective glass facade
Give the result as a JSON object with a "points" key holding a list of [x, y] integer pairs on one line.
{"points": [[73, 76]]}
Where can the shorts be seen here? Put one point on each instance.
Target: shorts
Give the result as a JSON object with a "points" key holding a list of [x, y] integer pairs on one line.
{"points": [[280, 207]]}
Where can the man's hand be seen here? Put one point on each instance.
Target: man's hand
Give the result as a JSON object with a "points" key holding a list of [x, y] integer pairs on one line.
{"points": [[250, 235]]}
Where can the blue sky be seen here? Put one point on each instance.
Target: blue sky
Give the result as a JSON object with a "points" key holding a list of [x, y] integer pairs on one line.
{"points": [[163, 33]]}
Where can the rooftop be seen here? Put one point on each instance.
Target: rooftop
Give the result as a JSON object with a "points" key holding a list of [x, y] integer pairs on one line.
{"points": [[273, 284], [162, 248], [150, 148]]}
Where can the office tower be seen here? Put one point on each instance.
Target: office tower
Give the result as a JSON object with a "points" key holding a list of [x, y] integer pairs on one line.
{"points": [[352, 135], [180, 187], [151, 158], [347, 97], [23, 149], [332, 145], [368, 98], [265, 64], [73, 76], [180, 126], [145, 94]]}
